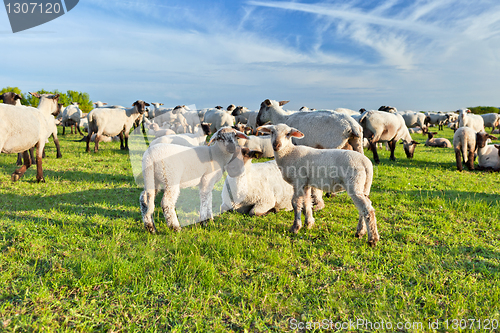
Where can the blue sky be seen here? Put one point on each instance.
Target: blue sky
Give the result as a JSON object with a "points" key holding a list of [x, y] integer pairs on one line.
{"points": [[418, 55]]}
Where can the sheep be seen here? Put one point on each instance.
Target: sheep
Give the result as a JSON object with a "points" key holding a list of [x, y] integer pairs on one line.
{"points": [[326, 169], [453, 125], [322, 129], [260, 189], [437, 142], [23, 127], [218, 119], [100, 104], [174, 167], [389, 109], [416, 130], [162, 115], [11, 98], [412, 119], [187, 139], [434, 118], [347, 111], [71, 116], [112, 122], [259, 143], [379, 126], [464, 144], [241, 114], [491, 120], [467, 119], [488, 156]]}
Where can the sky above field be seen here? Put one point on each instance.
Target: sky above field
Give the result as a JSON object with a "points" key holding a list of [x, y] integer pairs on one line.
{"points": [[417, 55]]}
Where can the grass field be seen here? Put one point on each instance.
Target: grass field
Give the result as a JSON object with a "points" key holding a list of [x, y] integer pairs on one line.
{"points": [[74, 255]]}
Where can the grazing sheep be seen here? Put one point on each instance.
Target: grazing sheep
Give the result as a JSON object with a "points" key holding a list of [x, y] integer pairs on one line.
{"points": [[326, 169], [322, 129], [260, 189], [464, 143], [22, 127], [379, 126], [437, 142], [436, 118], [488, 156], [112, 122], [414, 119], [71, 116], [467, 119], [491, 120], [174, 167], [258, 143], [218, 119]]}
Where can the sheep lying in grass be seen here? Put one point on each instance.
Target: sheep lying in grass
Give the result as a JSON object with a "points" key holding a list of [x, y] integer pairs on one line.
{"points": [[464, 144], [260, 189], [327, 169], [174, 167], [437, 142], [112, 122], [380, 126], [322, 129], [488, 156], [23, 127]]}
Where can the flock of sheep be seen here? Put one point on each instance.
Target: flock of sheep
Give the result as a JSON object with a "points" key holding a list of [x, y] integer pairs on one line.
{"points": [[314, 151]]}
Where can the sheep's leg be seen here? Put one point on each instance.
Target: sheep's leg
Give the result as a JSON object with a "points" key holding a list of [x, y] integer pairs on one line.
{"points": [[20, 172], [89, 136], [19, 159], [458, 158], [373, 147], [32, 155], [170, 196], [366, 215], [392, 147], [308, 212], [56, 142], [147, 201], [121, 140], [78, 128], [470, 160], [205, 205], [64, 130], [71, 126], [317, 198], [40, 147], [126, 141], [297, 201]]}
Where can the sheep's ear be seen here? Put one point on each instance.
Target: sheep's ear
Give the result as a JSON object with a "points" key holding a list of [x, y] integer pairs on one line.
{"points": [[241, 135], [264, 129], [268, 102], [415, 142], [295, 133], [497, 147], [434, 133], [146, 104], [492, 137], [283, 102], [37, 95]]}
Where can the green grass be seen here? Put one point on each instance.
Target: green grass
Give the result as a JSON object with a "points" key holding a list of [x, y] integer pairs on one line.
{"points": [[74, 255]]}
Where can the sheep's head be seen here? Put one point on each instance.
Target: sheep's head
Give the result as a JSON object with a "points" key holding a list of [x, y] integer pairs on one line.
{"points": [[231, 108], [10, 97], [226, 137], [482, 139], [140, 106], [409, 147], [264, 114], [281, 135], [430, 135]]}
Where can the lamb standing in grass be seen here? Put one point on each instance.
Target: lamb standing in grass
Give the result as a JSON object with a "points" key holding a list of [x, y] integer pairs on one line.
{"points": [[467, 119], [464, 144], [327, 169], [260, 189], [174, 167]]}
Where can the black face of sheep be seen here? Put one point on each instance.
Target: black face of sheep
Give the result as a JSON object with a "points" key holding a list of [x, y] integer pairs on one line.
{"points": [[264, 106], [482, 138], [141, 106], [410, 148]]}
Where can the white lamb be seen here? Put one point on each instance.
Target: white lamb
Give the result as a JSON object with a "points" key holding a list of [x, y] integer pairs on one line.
{"points": [[326, 169], [260, 189], [174, 167], [467, 119], [488, 156], [112, 122], [322, 129], [464, 144]]}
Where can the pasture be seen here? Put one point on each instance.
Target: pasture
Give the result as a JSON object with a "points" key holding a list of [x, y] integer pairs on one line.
{"points": [[75, 256]]}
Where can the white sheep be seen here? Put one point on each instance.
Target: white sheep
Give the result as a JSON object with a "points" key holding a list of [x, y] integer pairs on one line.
{"points": [[347, 111], [218, 119], [174, 167], [488, 156], [191, 118], [467, 119], [112, 122], [491, 120], [71, 116], [22, 127], [258, 143], [412, 119], [326, 169], [322, 129], [437, 142], [464, 144], [436, 118], [260, 189], [380, 126]]}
